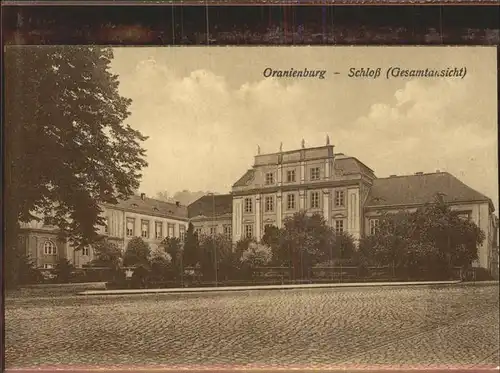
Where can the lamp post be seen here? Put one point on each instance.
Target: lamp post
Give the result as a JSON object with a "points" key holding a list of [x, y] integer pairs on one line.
{"points": [[214, 247]]}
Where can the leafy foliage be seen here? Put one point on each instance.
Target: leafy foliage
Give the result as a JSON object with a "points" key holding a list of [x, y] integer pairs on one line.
{"points": [[434, 237], [216, 253], [63, 270], [107, 254], [256, 255], [191, 247], [67, 148], [137, 253]]}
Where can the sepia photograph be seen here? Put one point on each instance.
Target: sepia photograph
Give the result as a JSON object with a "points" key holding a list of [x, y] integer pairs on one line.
{"points": [[246, 207]]}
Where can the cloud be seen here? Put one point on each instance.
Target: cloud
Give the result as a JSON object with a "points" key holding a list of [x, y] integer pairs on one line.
{"points": [[427, 128], [203, 131]]}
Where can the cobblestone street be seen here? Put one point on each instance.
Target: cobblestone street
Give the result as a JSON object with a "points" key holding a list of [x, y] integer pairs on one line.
{"points": [[406, 326]]}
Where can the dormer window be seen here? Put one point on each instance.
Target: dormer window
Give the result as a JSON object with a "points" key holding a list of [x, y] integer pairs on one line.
{"points": [[155, 209], [135, 205]]}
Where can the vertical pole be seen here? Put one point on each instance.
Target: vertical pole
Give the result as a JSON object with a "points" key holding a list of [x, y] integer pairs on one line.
{"points": [[213, 239]]}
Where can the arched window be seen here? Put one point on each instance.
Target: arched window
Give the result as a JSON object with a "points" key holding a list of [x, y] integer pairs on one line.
{"points": [[49, 248]]}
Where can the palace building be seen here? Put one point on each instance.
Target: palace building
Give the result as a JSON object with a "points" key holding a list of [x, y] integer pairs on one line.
{"points": [[341, 188], [139, 216]]}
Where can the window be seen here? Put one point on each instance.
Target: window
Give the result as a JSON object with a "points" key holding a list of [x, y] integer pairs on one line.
{"points": [[464, 215], [339, 198], [315, 173], [269, 204], [197, 231], [159, 230], [269, 178], [130, 227], [86, 251], [228, 231], [290, 201], [248, 205], [248, 231], [314, 200], [373, 226], [49, 248], [48, 266], [267, 227], [339, 226], [213, 230], [145, 228], [182, 232], [290, 176], [171, 230]]}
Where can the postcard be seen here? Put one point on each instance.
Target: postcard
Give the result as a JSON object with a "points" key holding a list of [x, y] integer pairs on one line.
{"points": [[251, 207]]}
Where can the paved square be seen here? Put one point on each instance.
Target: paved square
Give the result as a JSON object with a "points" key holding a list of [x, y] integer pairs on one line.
{"points": [[405, 326]]}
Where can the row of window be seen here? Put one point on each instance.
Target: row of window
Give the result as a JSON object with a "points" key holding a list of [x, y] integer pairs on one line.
{"points": [[314, 174], [291, 203], [158, 233], [248, 228], [227, 230], [50, 248]]}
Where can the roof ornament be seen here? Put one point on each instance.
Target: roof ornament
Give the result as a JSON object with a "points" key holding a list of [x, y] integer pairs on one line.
{"points": [[303, 143], [281, 146], [258, 149], [327, 140]]}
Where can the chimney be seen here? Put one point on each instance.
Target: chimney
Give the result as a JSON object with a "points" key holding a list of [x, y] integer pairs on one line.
{"points": [[438, 171], [143, 196], [419, 173], [177, 203]]}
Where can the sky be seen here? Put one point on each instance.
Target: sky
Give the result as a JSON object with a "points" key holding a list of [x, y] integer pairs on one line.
{"points": [[206, 110]]}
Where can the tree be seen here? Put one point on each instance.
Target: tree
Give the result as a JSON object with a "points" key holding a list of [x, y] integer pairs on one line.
{"points": [[216, 254], [63, 270], [191, 251], [343, 247], [137, 253], [433, 238], [160, 263], [67, 148], [274, 238], [256, 255], [107, 254], [173, 247]]}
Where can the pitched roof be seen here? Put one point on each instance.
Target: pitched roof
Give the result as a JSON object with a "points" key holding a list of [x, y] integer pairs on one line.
{"points": [[247, 176], [351, 165], [150, 206], [420, 189], [206, 205]]}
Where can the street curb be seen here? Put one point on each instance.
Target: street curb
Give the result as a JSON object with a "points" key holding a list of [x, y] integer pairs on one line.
{"points": [[264, 287]]}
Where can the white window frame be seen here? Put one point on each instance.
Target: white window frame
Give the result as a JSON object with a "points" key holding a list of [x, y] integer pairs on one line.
{"points": [[228, 230], [158, 232], [248, 230], [86, 251], [49, 248], [182, 232], [248, 205], [290, 202], [290, 176], [130, 232], [339, 198], [373, 225], [315, 173], [269, 204], [145, 233], [213, 231], [269, 178], [339, 226], [315, 200]]}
